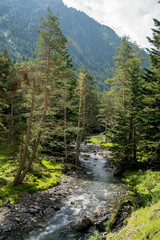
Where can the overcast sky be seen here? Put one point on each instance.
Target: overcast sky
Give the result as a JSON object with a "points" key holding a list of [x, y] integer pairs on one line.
{"points": [[133, 18]]}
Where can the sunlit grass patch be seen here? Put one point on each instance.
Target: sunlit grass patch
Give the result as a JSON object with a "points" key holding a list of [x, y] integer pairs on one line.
{"points": [[108, 144], [97, 139], [100, 139], [40, 177]]}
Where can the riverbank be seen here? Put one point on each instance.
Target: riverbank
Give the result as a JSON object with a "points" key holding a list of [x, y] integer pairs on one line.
{"points": [[137, 216], [33, 209]]}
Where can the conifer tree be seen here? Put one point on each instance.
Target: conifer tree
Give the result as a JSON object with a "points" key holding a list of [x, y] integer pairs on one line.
{"points": [[11, 106], [151, 111], [54, 75], [125, 132]]}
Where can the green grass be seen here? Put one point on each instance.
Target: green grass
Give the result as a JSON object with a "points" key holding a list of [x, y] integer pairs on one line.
{"points": [[100, 139], [143, 224], [108, 144], [97, 139], [144, 186], [35, 180]]}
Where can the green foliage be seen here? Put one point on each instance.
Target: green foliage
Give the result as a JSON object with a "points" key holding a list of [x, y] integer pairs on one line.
{"points": [[131, 183], [122, 113], [144, 187], [11, 106], [151, 98]]}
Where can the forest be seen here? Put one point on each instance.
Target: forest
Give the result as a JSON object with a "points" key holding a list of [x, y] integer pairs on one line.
{"points": [[46, 104]]}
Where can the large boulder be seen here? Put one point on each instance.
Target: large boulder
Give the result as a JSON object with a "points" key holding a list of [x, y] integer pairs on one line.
{"points": [[82, 224]]}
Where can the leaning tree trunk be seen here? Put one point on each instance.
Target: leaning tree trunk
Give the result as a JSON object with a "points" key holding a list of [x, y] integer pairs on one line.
{"points": [[25, 150], [28, 166]]}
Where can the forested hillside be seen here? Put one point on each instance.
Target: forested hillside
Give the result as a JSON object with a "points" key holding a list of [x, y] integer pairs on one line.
{"points": [[93, 44]]}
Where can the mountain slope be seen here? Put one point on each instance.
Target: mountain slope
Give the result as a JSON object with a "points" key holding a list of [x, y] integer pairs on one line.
{"points": [[93, 44]]}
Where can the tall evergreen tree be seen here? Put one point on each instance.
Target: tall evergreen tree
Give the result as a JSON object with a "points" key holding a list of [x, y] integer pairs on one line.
{"points": [[54, 72], [124, 133], [11, 106], [151, 113]]}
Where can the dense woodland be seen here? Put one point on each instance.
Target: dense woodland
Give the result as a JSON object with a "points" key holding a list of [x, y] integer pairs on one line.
{"points": [[46, 104]]}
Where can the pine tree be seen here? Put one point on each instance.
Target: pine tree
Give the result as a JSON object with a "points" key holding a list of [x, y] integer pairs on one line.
{"points": [[125, 132], [11, 106], [151, 111], [54, 74]]}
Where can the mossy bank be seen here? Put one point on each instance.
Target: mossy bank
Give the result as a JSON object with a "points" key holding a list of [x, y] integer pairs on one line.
{"points": [[44, 174]]}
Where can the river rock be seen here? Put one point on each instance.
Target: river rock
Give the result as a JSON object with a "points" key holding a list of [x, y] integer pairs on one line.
{"points": [[82, 224]]}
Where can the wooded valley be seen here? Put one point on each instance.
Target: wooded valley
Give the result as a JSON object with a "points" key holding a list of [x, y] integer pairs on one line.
{"points": [[46, 104]]}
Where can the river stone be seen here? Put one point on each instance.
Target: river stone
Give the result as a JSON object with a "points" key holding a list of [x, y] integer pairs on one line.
{"points": [[32, 210], [82, 224]]}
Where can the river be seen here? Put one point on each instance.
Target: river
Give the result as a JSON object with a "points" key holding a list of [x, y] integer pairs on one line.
{"points": [[95, 186]]}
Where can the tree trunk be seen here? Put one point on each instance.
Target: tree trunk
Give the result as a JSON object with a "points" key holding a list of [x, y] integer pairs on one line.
{"points": [[84, 109], [25, 150], [65, 135], [124, 98], [27, 168], [79, 126]]}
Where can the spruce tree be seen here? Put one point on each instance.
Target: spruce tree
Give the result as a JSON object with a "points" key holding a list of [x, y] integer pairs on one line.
{"points": [[125, 132], [54, 74], [11, 106], [151, 111]]}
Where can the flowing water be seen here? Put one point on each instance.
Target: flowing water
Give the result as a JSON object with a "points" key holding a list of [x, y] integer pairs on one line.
{"points": [[95, 185]]}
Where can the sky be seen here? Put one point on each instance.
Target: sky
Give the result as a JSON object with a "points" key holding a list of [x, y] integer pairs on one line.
{"points": [[133, 18]]}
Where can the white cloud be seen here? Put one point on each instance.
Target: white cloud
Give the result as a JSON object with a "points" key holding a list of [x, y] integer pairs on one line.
{"points": [[133, 18]]}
